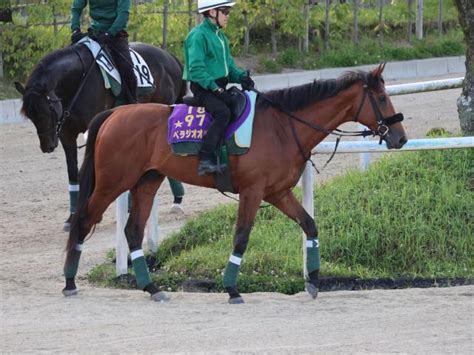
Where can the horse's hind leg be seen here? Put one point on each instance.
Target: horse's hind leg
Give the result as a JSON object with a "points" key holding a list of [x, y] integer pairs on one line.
{"points": [[289, 205], [142, 194]]}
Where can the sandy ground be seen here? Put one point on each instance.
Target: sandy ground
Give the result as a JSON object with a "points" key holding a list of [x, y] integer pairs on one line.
{"points": [[35, 317]]}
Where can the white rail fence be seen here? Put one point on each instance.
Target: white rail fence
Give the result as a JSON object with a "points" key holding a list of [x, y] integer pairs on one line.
{"points": [[363, 147]]}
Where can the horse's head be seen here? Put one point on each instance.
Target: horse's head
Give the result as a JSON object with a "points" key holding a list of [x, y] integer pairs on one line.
{"points": [[44, 109], [375, 110]]}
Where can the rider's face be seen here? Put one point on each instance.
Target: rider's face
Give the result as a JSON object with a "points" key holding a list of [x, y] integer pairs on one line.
{"points": [[222, 15]]}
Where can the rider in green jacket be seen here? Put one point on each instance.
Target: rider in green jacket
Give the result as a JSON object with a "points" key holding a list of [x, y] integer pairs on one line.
{"points": [[109, 27], [209, 67]]}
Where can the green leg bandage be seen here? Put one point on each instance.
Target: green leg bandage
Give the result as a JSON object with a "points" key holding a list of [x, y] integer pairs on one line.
{"points": [[176, 187], [312, 254], [73, 196], [231, 270], [140, 268], [70, 269]]}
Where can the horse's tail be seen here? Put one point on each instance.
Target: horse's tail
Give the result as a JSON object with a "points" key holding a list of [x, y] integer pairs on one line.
{"points": [[184, 88], [86, 179]]}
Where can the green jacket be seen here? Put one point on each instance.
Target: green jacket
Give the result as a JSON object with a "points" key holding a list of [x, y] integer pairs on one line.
{"points": [[107, 15], [207, 57]]}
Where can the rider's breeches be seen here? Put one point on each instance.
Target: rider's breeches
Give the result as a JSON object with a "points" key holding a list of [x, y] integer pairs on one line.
{"points": [[121, 55], [220, 119]]}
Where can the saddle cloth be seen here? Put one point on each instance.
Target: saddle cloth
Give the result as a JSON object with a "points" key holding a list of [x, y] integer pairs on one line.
{"points": [[110, 74], [188, 124]]}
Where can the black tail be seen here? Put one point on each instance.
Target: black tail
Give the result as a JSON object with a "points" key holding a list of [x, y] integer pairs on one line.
{"points": [[86, 179], [184, 87]]}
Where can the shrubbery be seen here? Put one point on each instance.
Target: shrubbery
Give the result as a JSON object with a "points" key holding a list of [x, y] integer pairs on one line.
{"points": [[40, 28]]}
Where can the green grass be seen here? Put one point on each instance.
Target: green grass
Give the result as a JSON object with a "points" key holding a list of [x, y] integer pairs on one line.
{"points": [[7, 90], [409, 215], [368, 51]]}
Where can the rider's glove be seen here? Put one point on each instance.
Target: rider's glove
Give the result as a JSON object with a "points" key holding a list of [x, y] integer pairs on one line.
{"points": [[247, 83], [76, 36]]}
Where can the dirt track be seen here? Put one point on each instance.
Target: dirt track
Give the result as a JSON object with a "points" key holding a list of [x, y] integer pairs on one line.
{"points": [[35, 317]]}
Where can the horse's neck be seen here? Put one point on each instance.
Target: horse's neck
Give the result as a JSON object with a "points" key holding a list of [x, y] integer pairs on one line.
{"points": [[62, 74], [328, 114]]}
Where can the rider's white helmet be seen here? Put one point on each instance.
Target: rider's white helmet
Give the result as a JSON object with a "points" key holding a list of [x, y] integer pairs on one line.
{"points": [[205, 5]]}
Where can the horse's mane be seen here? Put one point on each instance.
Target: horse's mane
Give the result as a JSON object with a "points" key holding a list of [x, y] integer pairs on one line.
{"points": [[298, 97], [41, 81], [40, 77]]}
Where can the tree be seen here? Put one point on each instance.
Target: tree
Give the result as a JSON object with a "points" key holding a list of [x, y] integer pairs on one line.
{"points": [[466, 100], [419, 19]]}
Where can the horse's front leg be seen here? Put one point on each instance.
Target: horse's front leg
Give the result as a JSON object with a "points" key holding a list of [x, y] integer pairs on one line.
{"points": [[289, 205], [70, 149], [142, 194], [249, 202]]}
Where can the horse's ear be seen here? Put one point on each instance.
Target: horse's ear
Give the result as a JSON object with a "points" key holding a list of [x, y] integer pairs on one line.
{"points": [[19, 87], [377, 72]]}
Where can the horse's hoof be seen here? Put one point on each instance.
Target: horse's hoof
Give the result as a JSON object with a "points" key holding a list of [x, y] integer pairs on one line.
{"points": [[68, 293], [236, 300], [67, 227], [176, 208], [311, 289], [160, 297]]}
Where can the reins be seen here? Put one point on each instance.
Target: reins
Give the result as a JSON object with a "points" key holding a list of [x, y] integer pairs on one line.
{"points": [[382, 124], [67, 113], [337, 132]]}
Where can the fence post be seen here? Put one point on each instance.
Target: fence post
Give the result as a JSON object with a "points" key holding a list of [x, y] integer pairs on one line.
{"points": [[364, 158], [307, 190], [121, 253]]}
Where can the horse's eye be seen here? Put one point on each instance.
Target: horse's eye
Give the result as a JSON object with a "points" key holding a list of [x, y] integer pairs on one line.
{"points": [[382, 99]]}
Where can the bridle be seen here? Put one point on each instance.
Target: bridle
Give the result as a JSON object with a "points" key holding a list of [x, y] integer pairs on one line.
{"points": [[54, 113], [383, 123], [59, 115]]}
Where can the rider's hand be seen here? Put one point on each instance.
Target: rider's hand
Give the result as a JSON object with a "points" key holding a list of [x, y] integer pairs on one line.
{"points": [[247, 83], [76, 36], [223, 95]]}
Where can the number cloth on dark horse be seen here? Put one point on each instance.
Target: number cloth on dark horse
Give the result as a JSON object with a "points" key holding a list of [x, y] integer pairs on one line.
{"points": [[127, 149], [66, 90]]}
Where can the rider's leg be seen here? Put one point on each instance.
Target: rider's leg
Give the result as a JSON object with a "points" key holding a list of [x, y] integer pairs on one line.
{"points": [[220, 119], [120, 51]]}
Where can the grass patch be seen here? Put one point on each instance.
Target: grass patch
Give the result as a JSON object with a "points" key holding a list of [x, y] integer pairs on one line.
{"points": [[409, 216], [368, 51]]}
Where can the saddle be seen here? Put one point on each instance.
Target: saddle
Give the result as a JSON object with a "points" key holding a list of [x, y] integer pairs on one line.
{"points": [[237, 104]]}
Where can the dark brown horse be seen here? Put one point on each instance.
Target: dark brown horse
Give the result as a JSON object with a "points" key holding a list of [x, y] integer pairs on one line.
{"points": [[65, 91], [128, 150]]}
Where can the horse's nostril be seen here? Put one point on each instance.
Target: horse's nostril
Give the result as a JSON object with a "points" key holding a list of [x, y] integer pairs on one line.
{"points": [[403, 140]]}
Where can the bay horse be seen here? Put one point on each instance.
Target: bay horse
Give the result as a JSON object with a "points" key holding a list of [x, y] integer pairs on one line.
{"points": [[65, 90], [128, 150]]}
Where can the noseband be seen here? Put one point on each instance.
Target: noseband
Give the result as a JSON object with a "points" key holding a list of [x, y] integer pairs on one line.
{"points": [[383, 123]]}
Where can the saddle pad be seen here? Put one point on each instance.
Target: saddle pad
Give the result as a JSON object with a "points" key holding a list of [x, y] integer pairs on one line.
{"points": [[187, 125], [110, 73]]}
